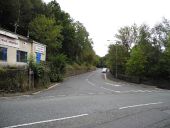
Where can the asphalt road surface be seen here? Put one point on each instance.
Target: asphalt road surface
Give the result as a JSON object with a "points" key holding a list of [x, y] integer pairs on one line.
{"points": [[89, 101]]}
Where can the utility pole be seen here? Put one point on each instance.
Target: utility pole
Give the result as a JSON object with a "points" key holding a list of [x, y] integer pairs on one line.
{"points": [[18, 16], [16, 26], [116, 59]]}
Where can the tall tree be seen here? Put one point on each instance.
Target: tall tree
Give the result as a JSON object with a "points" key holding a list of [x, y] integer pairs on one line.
{"points": [[127, 36], [137, 62], [117, 58], [46, 31]]}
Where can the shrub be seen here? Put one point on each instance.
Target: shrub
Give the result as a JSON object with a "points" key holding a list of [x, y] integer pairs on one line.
{"points": [[41, 72], [14, 80], [57, 67]]}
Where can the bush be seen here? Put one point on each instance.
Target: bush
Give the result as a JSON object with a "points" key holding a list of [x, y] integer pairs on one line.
{"points": [[41, 75], [14, 80], [41, 72], [76, 69], [57, 67]]}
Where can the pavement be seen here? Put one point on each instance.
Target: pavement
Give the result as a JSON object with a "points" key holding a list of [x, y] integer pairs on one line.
{"points": [[89, 100]]}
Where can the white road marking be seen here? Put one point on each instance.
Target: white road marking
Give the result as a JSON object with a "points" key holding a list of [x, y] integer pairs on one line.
{"points": [[52, 86], [90, 75], [50, 96], [26, 95], [45, 121], [46, 89], [110, 89], [141, 90], [91, 93], [139, 105], [36, 92], [116, 85], [61, 95], [90, 82]]}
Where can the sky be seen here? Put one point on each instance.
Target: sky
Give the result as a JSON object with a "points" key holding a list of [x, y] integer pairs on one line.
{"points": [[103, 18]]}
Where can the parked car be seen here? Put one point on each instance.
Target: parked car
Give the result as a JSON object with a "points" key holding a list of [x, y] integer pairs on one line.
{"points": [[104, 70]]}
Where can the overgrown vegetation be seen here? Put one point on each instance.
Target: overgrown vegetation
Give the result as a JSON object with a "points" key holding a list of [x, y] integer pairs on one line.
{"points": [[13, 80], [67, 41], [48, 24], [142, 52]]}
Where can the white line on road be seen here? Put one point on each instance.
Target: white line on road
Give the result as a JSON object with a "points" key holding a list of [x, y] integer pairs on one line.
{"points": [[45, 121], [109, 89], [53, 86], [46, 89], [139, 105], [36, 92], [116, 85], [91, 93], [91, 75], [90, 82]]}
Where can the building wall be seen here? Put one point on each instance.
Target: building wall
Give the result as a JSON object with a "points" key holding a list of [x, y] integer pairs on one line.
{"points": [[26, 47], [15, 43], [37, 47]]}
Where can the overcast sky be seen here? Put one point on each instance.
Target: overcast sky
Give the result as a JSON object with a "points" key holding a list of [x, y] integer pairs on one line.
{"points": [[102, 18]]}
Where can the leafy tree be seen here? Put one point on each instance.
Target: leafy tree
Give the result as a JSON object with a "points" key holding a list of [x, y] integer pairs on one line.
{"points": [[57, 66], [127, 36], [19, 13], [46, 31], [102, 62], [118, 59], [136, 63], [9, 13]]}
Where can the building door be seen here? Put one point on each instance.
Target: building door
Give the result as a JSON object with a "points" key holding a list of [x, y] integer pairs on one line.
{"points": [[38, 57]]}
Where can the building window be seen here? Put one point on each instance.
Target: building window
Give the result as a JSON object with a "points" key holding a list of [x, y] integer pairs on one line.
{"points": [[21, 56], [3, 54]]}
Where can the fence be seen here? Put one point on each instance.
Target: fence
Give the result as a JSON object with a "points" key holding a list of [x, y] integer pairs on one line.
{"points": [[159, 82]]}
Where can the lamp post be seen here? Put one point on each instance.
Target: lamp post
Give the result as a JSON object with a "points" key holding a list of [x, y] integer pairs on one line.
{"points": [[116, 60]]}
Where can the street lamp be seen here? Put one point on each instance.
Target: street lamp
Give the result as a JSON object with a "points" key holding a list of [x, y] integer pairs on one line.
{"points": [[116, 59]]}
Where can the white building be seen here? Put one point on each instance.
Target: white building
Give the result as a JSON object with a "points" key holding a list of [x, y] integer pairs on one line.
{"points": [[16, 49]]}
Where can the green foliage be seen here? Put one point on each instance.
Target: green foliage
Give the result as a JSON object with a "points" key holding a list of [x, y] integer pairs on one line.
{"points": [[44, 30], [120, 60], [13, 80], [148, 54], [67, 41], [41, 72], [136, 64], [57, 66], [31, 62], [127, 36]]}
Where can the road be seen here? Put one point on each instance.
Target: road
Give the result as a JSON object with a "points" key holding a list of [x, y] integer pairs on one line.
{"points": [[89, 101]]}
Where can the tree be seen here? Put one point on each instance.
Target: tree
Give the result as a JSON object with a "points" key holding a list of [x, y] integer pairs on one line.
{"points": [[127, 36], [8, 14], [45, 30], [118, 59], [19, 13], [57, 66], [136, 64]]}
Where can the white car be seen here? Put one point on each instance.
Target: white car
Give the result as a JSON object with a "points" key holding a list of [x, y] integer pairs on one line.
{"points": [[104, 70]]}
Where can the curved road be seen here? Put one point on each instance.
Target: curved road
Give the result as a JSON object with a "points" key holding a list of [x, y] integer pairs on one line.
{"points": [[89, 101]]}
